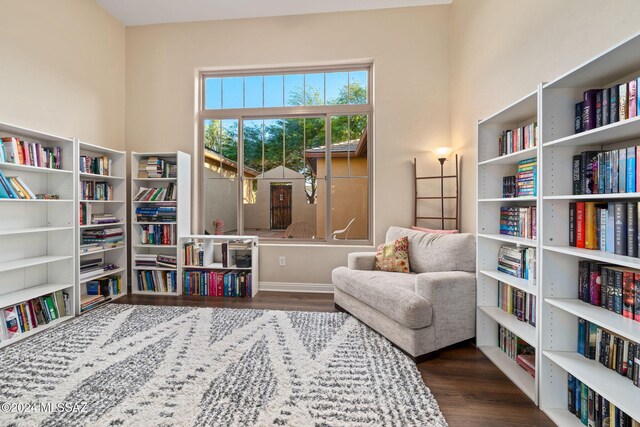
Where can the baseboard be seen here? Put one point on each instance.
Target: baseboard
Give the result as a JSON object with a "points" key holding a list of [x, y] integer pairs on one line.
{"points": [[319, 288]]}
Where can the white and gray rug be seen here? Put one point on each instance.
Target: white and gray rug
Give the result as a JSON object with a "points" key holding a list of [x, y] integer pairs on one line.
{"points": [[125, 365]]}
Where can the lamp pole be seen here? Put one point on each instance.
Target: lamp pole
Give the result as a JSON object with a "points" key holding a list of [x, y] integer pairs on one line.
{"points": [[442, 160]]}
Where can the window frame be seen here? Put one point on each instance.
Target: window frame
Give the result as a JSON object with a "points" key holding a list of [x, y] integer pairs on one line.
{"points": [[284, 112]]}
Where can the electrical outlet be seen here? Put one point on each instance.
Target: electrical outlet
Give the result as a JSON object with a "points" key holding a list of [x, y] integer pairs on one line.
{"points": [[282, 261]]}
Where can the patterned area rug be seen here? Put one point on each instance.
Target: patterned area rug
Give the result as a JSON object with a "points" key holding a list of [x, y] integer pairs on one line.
{"points": [[184, 366]]}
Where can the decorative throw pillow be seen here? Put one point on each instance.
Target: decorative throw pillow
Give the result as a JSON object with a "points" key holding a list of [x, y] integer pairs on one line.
{"points": [[430, 230], [393, 256]]}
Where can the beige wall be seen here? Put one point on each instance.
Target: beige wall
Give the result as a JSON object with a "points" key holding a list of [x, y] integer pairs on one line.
{"points": [[62, 69], [410, 50], [501, 50]]}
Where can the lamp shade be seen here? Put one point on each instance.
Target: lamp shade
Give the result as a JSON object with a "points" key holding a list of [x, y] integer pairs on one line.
{"points": [[443, 152]]}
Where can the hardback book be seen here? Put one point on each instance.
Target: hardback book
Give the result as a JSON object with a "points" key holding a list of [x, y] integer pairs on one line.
{"points": [[582, 331], [614, 108], [636, 287], [595, 280], [578, 119], [631, 170], [589, 172], [599, 108], [602, 227], [589, 110], [580, 224], [571, 389], [583, 279], [630, 355], [590, 226], [622, 170], [628, 294], [611, 284], [632, 229], [608, 172], [632, 98], [591, 413], [572, 224], [605, 107], [604, 282], [615, 159], [601, 172], [623, 112], [577, 174], [584, 404], [610, 232], [604, 412], [620, 228]]}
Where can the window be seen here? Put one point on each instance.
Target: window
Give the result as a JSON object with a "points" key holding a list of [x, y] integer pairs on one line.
{"points": [[286, 154]]}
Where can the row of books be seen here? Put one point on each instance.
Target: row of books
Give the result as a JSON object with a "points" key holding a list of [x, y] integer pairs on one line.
{"points": [[90, 267], [20, 152], [614, 288], [518, 139], [519, 221], [154, 167], [518, 262], [517, 350], [609, 349], [524, 183], [156, 234], [606, 172], [157, 281], [89, 302], [96, 240], [35, 312], [156, 260], [89, 218], [13, 187], [96, 190], [610, 227], [157, 194], [193, 253], [95, 165], [601, 107], [156, 214], [217, 283], [592, 409], [107, 286], [517, 302]]}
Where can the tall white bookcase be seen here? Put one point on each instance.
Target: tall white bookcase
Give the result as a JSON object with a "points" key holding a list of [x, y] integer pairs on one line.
{"points": [[117, 206], [37, 237], [559, 308], [182, 225]]}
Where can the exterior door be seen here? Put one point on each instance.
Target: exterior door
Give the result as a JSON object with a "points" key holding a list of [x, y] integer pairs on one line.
{"points": [[280, 205]]}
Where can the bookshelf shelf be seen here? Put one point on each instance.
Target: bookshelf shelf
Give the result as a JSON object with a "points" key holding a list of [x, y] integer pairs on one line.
{"points": [[17, 297], [103, 274], [40, 328], [515, 373], [604, 381], [594, 197], [620, 325], [101, 251], [511, 159], [522, 284], [30, 262], [563, 417], [140, 167], [34, 169], [111, 224], [29, 230], [604, 135], [101, 201], [510, 239], [595, 255], [97, 177], [509, 321], [36, 200], [508, 200]]}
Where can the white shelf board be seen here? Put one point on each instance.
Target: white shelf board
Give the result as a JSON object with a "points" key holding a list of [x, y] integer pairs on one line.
{"points": [[508, 199], [167, 202], [610, 134], [103, 274], [616, 323], [100, 201], [102, 225], [512, 158], [139, 245], [163, 154], [153, 223], [85, 146], [35, 169], [37, 330], [29, 262], [509, 321], [23, 295], [595, 255], [36, 200], [562, 417], [214, 266], [510, 239], [522, 284], [608, 383], [512, 370], [32, 230], [156, 179], [94, 176], [593, 196], [101, 251], [522, 109], [154, 268]]}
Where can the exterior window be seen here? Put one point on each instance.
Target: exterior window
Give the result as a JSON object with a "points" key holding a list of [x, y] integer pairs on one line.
{"points": [[286, 154]]}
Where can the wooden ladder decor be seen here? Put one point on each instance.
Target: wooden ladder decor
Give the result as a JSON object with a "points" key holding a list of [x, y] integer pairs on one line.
{"points": [[441, 197]]}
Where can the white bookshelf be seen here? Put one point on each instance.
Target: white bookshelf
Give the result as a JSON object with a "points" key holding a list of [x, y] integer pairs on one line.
{"points": [[116, 177], [182, 225], [37, 237], [491, 169], [212, 246]]}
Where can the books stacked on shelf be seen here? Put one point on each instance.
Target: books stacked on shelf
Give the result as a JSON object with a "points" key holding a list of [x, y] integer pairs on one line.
{"points": [[157, 235], [517, 349], [518, 262], [157, 281], [517, 302], [13, 187], [156, 260], [35, 312], [93, 267], [527, 178], [88, 218], [610, 227], [518, 221], [509, 187], [154, 167], [156, 194], [104, 238], [20, 152], [592, 409], [88, 302], [614, 288], [95, 165], [600, 107], [193, 254], [606, 172], [610, 350], [156, 214], [110, 285], [217, 283], [518, 139], [96, 190], [239, 244]]}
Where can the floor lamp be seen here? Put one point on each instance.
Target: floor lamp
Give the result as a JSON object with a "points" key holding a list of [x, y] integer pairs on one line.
{"points": [[441, 154]]}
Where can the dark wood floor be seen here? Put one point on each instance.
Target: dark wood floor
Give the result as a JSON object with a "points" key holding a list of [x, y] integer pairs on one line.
{"points": [[471, 391]]}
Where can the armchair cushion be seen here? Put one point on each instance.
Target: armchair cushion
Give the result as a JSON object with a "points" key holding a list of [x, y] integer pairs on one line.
{"points": [[362, 261], [393, 256]]}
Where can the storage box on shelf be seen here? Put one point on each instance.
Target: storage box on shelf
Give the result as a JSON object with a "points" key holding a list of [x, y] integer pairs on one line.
{"points": [[160, 213], [102, 233], [37, 242], [218, 265], [509, 223]]}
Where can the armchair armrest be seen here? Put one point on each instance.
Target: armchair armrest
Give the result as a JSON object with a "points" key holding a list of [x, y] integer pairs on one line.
{"points": [[362, 261]]}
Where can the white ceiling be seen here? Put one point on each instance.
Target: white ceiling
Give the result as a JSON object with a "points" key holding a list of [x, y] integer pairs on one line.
{"points": [[144, 12]]}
